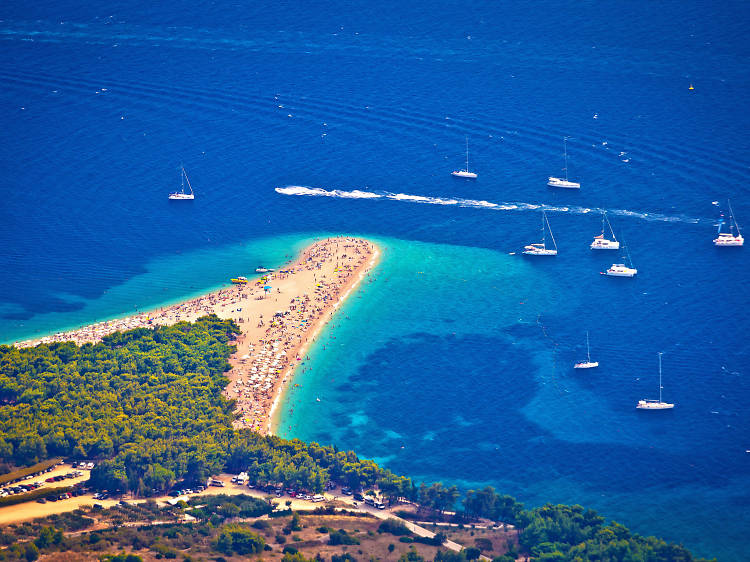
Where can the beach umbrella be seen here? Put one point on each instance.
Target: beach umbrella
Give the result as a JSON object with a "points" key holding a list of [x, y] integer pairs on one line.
{"points": [[267, 288]]}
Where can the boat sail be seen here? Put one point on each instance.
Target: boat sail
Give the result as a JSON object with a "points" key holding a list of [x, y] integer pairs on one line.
{"points": [[559, 182], [588, 364], [465, 173], [620, 269], [729, 238], [181, 195], [650, 404], [540, 248], [602, 243]]}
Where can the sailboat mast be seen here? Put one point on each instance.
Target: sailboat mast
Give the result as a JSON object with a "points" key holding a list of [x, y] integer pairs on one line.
{"points": [[565, 152], [467, 153], [611, 230], [188, 181], [588, 350], [660, 376], [732, 219], [182, 178], [543, 233], [550, 230]]}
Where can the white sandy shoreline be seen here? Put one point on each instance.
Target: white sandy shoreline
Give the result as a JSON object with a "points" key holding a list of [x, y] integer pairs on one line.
{"points": [[277, 325]]}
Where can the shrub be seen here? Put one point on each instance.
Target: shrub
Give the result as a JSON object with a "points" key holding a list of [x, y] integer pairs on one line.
{"points": [[483, 544], [341, 537], [472, 553], [238, 539], [394, 527]]}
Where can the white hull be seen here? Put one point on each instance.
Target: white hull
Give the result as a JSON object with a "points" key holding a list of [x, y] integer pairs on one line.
{"points": [[586, 365], [604, 244], [463, 174], [537, 252], [619, 270], [653, 405], [729, 240], [559, 182], [181, 196]]}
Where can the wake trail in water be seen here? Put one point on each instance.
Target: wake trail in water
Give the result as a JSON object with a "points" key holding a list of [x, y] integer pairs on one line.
{"points": [[478, 204]]}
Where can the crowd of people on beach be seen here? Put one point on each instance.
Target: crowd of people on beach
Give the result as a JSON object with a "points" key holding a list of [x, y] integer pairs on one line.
{"points": [[258, 374], [273, 335]]}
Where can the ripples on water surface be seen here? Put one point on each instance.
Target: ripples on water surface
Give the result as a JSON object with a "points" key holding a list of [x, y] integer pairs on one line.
{"points": [[349, 119]]}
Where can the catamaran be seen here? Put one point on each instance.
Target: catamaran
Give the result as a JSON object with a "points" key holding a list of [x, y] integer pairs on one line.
{"points": [[729, 238], [540, 248], [559, 182], [465, 173], [588, 364], [620, 269], [650, 404], [602, 243], [180, 195]]}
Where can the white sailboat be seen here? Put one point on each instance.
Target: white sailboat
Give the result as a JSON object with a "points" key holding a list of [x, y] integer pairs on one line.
{"points": [[465, 173], [540, 248], [588, 364], [650, 404], [559, 182], [602, 243], [620, 269], [181, 195], [729, 238]]}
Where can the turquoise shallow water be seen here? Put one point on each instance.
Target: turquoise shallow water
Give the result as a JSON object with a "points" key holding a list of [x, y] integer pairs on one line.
{"points": [[162, 281], [446, 364]]}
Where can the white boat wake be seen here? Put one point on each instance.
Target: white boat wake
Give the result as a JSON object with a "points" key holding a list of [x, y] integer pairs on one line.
{"points": [[472, 203]]}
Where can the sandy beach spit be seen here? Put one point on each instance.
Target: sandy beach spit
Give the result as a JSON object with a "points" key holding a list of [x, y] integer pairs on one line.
{"points": [[279, 315]]}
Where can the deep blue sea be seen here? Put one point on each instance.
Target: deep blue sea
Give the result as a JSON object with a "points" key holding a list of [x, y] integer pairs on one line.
{"points": [[453, 361]]}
